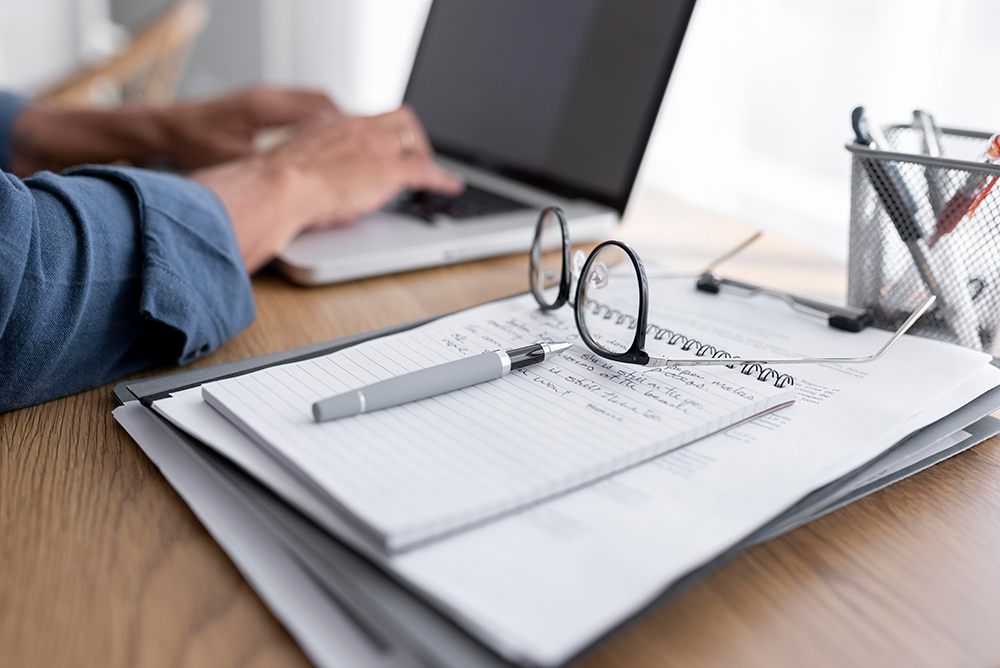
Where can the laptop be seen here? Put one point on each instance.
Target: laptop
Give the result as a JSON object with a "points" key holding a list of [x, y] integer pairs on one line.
{"points": [[534, 103]]}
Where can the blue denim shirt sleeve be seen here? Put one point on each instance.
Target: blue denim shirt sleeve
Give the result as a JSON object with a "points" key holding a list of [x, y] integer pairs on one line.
{"points": [[105, 271], [11, 105]]}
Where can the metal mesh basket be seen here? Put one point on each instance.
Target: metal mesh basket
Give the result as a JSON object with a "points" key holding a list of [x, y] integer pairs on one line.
{"points": [[900, 203]]}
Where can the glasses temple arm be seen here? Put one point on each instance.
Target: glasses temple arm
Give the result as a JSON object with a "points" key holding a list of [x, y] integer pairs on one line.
{"points": [[660, 272], [694, 361], [732, 252]]}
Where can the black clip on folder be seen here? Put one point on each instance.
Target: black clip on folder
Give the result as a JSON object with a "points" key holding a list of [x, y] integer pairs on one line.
{"points": [[846, 318]]}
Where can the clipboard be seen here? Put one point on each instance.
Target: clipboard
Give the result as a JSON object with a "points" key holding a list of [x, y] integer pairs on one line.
{"points": [[398, 618]]}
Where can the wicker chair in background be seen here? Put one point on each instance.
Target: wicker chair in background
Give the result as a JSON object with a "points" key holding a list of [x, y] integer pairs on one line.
{"points": [[146, 72]]}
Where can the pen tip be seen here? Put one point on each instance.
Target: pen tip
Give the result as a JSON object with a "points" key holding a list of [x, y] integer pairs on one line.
{"points": [[559, 347]]}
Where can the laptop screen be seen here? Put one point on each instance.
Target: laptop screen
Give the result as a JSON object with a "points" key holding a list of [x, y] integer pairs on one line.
{"points": [[561, 94]]}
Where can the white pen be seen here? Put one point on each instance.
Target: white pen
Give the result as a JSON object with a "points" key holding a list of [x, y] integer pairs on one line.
{"points": [[432, 381]]}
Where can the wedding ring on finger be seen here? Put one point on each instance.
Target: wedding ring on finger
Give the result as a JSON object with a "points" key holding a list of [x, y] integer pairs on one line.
{"points": [[407, 140]]}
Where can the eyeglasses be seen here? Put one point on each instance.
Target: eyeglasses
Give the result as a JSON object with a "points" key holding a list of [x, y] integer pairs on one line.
{"points": [[609, 293]]}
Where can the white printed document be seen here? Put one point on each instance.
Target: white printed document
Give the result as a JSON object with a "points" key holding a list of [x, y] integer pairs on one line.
{"points": [[415, 472]]}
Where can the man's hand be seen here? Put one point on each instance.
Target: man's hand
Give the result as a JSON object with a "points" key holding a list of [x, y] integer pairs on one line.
{"points": [[328, 174], [189, 135], [207, 133]]}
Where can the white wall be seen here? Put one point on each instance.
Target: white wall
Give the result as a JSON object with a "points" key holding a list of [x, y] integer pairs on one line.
{"points": [[42, 41], [757, 114], [360, 51]]}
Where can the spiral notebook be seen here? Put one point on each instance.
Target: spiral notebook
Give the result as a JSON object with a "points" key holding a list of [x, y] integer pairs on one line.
{"points": [[414, 473]]}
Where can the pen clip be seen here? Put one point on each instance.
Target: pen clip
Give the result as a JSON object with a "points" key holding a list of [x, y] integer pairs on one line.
{"points": [[859, 123], [924, 122]]}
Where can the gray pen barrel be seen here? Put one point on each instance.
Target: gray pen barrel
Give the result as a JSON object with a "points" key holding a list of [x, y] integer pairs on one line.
{"points": [[411, 387]]}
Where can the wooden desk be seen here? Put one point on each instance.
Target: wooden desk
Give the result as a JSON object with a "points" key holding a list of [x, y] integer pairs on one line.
{"points": [[103, 564]]}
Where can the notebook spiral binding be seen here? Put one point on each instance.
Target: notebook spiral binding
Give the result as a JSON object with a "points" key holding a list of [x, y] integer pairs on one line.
{"points": [[687, 344]]}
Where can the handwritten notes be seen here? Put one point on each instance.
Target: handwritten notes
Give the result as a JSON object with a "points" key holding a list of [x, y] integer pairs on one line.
{"points": [[415, 472]]}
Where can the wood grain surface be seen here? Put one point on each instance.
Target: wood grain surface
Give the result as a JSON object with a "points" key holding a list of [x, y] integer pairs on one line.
{"points": [[102, 564]]}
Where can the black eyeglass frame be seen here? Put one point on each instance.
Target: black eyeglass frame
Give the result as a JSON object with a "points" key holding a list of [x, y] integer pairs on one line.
{"points": [[636, 353], [566, 278]]}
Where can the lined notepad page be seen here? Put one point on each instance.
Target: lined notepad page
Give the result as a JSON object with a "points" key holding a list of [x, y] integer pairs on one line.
{"points": [[417, 471]]}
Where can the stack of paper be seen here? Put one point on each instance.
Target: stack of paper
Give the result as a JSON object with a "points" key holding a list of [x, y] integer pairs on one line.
{"points": [[540, 583], [420, 470]]}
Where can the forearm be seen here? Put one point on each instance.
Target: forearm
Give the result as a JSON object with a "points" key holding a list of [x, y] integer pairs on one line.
{"points": [[51, 138]]}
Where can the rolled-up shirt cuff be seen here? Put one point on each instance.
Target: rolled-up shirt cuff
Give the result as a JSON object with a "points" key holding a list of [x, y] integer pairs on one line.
{"points": [[11, 106], [193, 276]]}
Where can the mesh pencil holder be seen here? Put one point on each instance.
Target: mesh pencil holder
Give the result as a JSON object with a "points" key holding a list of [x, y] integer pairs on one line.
{"points": [[912, 235]]}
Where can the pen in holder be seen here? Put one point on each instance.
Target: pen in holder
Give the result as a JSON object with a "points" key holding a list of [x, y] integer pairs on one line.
{"points": [[928, 224]]}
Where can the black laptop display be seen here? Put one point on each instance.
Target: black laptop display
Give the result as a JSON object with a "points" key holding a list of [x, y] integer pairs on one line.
{"points": [[558, 93]]}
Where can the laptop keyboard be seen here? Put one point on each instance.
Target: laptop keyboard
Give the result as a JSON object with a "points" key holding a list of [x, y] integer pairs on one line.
{"points": [[473, 202]]}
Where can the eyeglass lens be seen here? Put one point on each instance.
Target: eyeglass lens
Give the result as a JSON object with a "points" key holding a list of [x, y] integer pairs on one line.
{"points": [[609, 300], [547, 259]]}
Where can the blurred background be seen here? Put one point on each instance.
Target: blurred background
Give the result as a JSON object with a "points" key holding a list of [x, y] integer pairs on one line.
{"points": [[753, 125]]}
